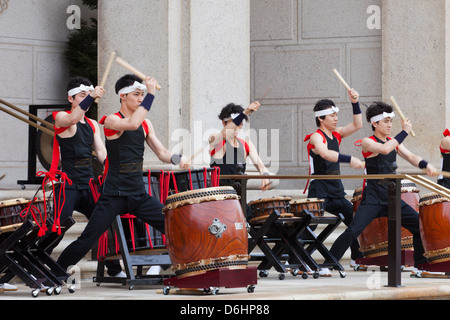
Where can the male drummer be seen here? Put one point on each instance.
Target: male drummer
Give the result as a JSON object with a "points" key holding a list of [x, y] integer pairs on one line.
{"points": [[445, 152], [325, 159], [228, 151], [123, 189], [380, 153], [77, 136]]}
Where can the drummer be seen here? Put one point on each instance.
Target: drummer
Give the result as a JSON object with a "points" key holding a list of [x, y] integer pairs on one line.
{"points": [[229, 152], [445, 152], [380, 153], [77, 136], [325, 159], [123, 188]]}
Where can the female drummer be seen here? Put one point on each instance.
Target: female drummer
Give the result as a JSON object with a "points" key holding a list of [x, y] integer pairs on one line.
{"points": [[123, 189], [445, 152], [228, 151], [380, 153], [325, 159]]}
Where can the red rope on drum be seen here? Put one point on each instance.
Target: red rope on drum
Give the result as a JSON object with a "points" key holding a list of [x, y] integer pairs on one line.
{"points": [[50, 177], [147, 227], [174, 183], [190, 180]]}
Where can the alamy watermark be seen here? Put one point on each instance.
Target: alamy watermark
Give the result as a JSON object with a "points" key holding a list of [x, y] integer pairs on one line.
{"points": [[74, 20], [374, 19]]}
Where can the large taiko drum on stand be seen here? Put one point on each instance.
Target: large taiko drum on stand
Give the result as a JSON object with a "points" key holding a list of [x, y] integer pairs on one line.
{"points": [[434, 220], [373, 241], [205, 230], [261, 209]]}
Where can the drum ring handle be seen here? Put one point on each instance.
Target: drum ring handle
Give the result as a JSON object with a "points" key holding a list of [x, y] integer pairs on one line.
{"points": [[217, 228]]}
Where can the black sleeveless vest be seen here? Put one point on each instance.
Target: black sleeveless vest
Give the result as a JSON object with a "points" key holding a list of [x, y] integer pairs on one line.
{"points": [[233, 161], [76, 156], [125, 164], [326, 188], [374, 191]]}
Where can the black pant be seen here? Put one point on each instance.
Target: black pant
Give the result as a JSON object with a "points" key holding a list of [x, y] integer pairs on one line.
{"points": [[365, 214], [83, 202], [145, 207], [342, 205]]}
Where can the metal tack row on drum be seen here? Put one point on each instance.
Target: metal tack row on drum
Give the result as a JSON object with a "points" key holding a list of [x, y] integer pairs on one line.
{"points": [[261, 209]]}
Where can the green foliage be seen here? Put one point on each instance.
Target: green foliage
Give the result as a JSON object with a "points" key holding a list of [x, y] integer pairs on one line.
{"points": [[81, 51], [91, 4]]}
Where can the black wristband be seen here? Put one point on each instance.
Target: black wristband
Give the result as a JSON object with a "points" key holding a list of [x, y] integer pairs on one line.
{"points": [[86, 103], [238, 120], [356, 108], [423, 164], [176, 159], [344, 158], [401, 136], [148, 101]]}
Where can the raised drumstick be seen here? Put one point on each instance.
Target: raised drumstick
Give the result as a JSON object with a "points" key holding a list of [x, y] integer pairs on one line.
{"points": [[402, 116], [107, 70], [338, 75], [132, 69]]}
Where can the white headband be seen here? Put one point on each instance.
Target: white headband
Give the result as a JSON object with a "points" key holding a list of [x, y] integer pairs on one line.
{"points": [[135, 86], [232, 117], [81, 88], [326, 112], [382, 116]]}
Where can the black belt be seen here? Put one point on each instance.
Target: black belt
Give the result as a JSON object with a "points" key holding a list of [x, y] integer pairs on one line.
{"points": [[131, 167], [82, 163]]}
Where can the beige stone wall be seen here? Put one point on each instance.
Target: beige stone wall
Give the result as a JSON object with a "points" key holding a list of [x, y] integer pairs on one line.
{"points": [[295, 46], [33, 71]]}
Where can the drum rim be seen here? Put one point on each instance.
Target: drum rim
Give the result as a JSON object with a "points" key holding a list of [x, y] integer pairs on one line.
{"points": [[263, 200], [172, 203], [308, 200]]}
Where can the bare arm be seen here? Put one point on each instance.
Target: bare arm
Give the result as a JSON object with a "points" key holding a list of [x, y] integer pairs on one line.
{"points": [[158, 148], [64, 119], [97, 144], [357, 123]]}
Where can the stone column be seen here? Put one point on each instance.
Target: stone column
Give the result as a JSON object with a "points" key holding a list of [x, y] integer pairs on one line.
{"points": [[416, 70], [199, 50]]}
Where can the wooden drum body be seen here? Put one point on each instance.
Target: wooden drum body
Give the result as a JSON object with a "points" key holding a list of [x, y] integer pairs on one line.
{"points": [[434, 219], [261, 209], [313, 205], [206, 230], [373, 241]]}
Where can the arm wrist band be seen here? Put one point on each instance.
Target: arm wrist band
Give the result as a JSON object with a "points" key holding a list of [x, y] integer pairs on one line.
{"points": [[423, 164], [344, 158], [238, 120], [148, 101], [356, 108], [176, 159], [86, 103], [401, 136]]}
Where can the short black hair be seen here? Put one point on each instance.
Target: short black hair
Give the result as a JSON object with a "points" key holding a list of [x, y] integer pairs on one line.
{"points": [[230, 109], [126, 81], [377, 108], [322, 105], [75, 82]]}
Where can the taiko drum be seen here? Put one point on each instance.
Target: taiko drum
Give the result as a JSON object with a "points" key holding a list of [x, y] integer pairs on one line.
{"points": [[373, 241], [313, 205], [205, 230], [261, 209], [434, 219]]}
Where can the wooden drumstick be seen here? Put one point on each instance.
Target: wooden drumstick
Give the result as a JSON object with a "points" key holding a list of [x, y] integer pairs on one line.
{"points": [[32, 116], [132, 69], [440, 173], [338, 75], [31, 123], [402, 116], [199, 151], [107, 70]]}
